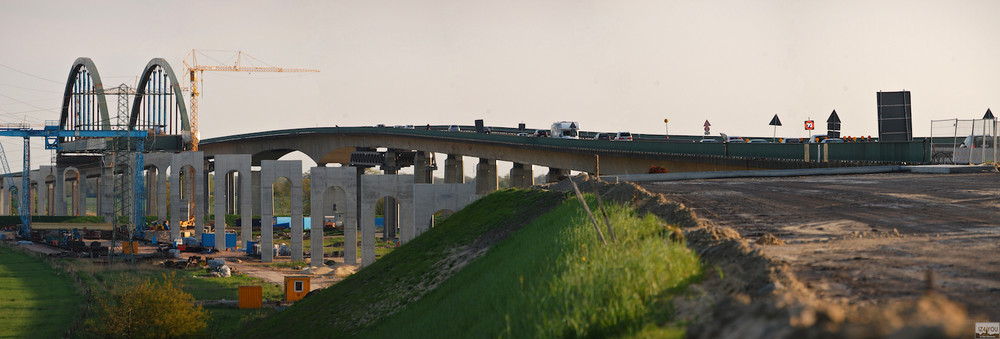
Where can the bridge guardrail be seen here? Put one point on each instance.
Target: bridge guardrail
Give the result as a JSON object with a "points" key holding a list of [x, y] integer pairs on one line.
{"points": [[904, 152]]}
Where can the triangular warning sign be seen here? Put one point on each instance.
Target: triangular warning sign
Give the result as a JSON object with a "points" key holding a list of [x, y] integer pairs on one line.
{"points": [[989, 115], [572, 125], [833, 117], [775, 121]]}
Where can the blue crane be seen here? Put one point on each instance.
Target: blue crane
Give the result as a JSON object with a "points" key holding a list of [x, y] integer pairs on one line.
{"points": [[53, 134]]}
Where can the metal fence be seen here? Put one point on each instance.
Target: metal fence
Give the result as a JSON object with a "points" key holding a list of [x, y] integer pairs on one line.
{"points": [[964, 141]]}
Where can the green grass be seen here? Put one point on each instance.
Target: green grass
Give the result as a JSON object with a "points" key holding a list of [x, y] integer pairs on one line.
{"points": [[551, 278], [222, 320], [36, 301]]}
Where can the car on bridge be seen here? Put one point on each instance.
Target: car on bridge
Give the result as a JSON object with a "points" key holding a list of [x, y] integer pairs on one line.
{"points": [[602, 136], [623, 136], [541, 133], [759, 141], [454, 128]]}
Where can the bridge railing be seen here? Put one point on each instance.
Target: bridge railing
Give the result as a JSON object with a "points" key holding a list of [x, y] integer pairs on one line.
{"points": [[908, 152]]}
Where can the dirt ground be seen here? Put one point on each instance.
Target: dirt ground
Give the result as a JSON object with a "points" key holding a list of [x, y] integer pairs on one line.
{"points": [[863, 240]]}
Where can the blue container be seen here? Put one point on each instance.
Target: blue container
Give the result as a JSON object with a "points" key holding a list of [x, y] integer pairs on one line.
{"points": [[208, 239], [231, 240]]}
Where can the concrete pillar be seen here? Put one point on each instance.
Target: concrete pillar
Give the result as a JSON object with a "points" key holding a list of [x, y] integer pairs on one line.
{"points": [[422, 173], [255, 192], [454, 170], [391, 218], [151, 200], [486, 176], [521, 176], [224, 164], [231, 188], [59, 190], [555, 173], [106, 192], [351, 231], [181, 162], [346, 179], [270, 171]]}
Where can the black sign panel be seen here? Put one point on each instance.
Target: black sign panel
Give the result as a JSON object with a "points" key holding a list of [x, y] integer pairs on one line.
{"points": [[894, 116]]}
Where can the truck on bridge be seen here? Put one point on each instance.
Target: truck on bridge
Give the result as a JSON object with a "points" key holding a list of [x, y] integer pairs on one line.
{"points": [[566, 130]]}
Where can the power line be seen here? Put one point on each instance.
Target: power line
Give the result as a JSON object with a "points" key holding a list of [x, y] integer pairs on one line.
{"points": [[30, 75]]}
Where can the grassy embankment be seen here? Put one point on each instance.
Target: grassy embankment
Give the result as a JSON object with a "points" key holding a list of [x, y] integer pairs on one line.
{"points": [[36, 301], [548, 275]]}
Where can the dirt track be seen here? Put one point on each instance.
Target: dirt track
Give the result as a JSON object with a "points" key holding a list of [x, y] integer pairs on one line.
{"points": [[867, 239]]}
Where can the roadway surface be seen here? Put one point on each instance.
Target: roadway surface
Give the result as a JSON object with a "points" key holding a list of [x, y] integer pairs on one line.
{"points": [[867, 239]]}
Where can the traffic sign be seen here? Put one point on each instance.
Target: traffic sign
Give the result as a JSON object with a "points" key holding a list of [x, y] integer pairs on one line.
{"points": [[810, 125], [775, 121]]}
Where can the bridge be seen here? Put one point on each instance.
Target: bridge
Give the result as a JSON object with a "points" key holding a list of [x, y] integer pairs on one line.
{"points": [[157, 106]]}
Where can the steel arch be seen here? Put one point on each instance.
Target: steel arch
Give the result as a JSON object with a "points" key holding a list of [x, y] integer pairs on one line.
{"points": [[95, 77], [140, 93]]}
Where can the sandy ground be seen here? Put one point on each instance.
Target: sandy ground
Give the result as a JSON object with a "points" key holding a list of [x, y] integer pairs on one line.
{"points": [[863, 240]]}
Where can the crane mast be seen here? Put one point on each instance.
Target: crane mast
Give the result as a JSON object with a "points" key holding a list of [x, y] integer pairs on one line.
{"points": [[196, 72]]}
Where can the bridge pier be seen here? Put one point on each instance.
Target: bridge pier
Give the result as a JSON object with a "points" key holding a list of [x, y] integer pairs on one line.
{"points": [[422, 173], [454, 170], [486, 176], [521, 176], [555, 173], [390, 219]]}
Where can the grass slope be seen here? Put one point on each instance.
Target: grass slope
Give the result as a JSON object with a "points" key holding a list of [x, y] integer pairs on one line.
{"points": [[548, 275], [35, 300]]}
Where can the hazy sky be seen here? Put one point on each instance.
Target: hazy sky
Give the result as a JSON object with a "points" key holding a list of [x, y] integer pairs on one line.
{"points": [[611, 65]]}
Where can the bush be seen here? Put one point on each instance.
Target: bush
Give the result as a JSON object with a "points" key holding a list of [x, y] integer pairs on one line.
{"points": [[145, 307]]}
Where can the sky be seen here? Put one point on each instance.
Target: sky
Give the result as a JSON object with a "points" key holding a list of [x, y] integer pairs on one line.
{"points": [[610, 65]]}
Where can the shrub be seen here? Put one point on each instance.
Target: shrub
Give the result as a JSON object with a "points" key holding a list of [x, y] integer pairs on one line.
{"points": [[144, 307]]}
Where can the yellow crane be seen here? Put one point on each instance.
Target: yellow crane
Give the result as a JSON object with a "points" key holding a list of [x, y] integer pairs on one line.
{"points": [[196, 70]]}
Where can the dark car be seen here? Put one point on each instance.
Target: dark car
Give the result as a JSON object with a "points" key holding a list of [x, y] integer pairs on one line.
{"points": [[542, 133], [602, 136]]}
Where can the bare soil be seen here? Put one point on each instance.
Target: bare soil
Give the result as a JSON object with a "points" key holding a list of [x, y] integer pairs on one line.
{"points": [[866, 240]]}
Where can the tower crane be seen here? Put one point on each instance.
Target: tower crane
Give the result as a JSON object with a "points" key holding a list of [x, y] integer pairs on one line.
{"points": [[195, 71]]}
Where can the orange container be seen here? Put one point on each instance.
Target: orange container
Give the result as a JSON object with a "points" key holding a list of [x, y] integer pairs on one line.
{"points": [[296, 287], [130, 247], [251, 297]]}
